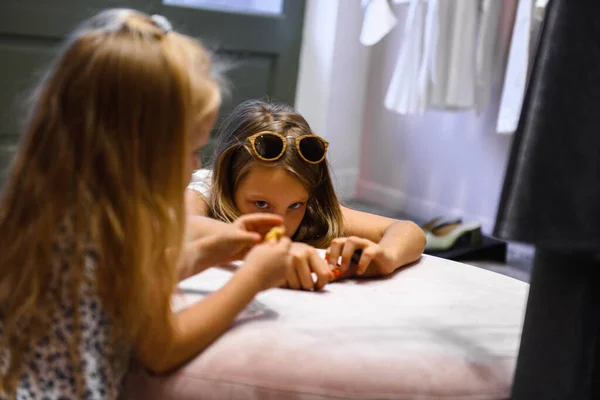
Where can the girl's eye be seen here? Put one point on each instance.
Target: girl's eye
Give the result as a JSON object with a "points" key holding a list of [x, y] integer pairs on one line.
{"points": [[296, 206], [262, 204]]}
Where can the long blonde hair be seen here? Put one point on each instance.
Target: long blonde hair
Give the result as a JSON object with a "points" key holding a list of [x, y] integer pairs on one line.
{"points": [[232, 160], [106, 146]]}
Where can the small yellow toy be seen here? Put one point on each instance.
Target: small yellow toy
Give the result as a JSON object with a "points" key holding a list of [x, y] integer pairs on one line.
{"points": [[275, 233]]}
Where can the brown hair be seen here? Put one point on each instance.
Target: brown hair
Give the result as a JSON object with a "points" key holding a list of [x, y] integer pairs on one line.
{"points": [[233, 159], [105, 146]]}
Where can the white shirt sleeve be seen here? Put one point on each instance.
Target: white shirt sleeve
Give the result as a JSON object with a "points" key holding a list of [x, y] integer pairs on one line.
{"points": [[515, 78], [201, 181]]}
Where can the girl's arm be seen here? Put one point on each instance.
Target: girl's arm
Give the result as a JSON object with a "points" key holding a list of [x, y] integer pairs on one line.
{"points": [[391, 243], [187, 333], [197, 254], [200, 226], [195, 203], [193, 329]]}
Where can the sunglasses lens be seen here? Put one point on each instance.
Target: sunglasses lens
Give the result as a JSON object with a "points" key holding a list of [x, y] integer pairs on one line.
{"points": [[268, 146], [312, 149]]}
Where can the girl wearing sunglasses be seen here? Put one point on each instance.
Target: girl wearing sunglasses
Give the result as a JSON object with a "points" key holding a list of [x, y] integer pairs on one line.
{"points": [[267, 159]]}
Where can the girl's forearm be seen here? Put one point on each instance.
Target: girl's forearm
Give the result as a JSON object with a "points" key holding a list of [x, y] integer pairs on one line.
{"points": [[405, 240], [198, 226], [196, 253], [196, 327], [195, 258], [188, 269]]}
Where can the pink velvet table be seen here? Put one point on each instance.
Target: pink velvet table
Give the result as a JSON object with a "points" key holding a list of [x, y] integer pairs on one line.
{"points": [[435, 330]]}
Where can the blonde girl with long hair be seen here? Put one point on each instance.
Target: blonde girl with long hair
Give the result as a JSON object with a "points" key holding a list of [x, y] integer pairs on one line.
{"points": [[268, 159], [92, 216]]}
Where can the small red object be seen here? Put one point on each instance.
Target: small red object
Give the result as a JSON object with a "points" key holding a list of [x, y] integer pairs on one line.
{"points": [[337, 273]]}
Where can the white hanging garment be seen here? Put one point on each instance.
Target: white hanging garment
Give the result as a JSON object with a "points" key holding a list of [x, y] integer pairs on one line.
{"points": [[438, 85], [378, 21], [454, 87], [516, 70], [402, 92], [426, 75], [489, 55], [443, 62]]}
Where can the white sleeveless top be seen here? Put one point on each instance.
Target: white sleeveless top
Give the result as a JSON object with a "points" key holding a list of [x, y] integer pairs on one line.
{"points": [[201, 181]]}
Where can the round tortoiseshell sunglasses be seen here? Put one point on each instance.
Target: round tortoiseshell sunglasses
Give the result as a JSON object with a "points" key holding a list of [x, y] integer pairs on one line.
{"points": [[271, 146]]}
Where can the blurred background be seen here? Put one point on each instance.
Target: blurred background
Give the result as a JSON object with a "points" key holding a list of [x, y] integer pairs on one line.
{"points": [[419, 99]]}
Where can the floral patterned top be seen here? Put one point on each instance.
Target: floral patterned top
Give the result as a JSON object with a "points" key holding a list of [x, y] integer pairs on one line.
{"points": [[47, 370]]}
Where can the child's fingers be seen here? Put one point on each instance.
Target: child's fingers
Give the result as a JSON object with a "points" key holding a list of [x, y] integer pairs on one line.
{"points": [[351, 245], [256, 237], [284, 244], [292, 277], [321, 269], [368, 254], [260, 218], [244, 238], [335, 251], [304, 274], [302, 268], [259, 222]]}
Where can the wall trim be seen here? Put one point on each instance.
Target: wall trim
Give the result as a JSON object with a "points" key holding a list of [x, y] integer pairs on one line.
{"points": [[397, 200]]}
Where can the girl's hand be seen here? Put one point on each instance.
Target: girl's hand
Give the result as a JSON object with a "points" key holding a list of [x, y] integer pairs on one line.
{"points": [[229, 243], [269, 263], [374, 257], [260, 223], [243, 234], [305, 260], [220, 243]]}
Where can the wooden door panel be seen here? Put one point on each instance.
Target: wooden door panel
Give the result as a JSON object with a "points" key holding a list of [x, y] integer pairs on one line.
{"points": [[264, 50]]}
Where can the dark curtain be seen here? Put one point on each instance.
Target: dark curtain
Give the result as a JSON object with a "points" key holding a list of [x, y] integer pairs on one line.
{"points": [[551, 199]]}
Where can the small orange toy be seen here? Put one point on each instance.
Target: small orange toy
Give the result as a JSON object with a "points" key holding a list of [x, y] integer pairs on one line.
{"points": [[336, 271], [353, 262]]}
